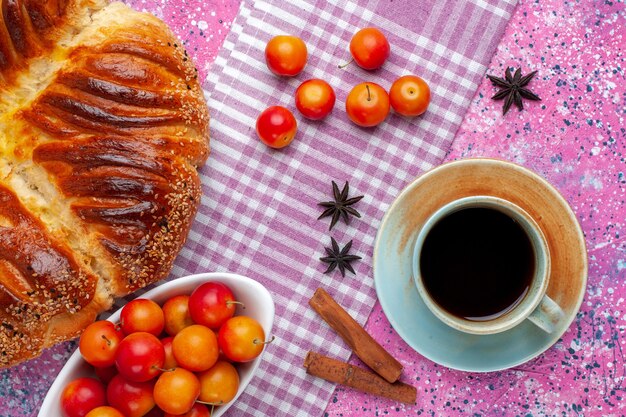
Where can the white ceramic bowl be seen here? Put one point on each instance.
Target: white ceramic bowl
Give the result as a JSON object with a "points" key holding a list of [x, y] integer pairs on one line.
{"points": [[258, 305]]}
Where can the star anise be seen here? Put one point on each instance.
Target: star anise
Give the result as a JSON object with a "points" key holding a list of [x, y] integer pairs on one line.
{"points": [[339, 258], [513, 88], [341, 206]]}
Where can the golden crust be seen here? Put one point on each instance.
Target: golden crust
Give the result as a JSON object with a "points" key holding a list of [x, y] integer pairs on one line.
{"points": [[102, 126]]}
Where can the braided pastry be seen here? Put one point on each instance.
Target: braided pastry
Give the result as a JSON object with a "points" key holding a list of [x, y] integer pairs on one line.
{"points": [[102, 127]]}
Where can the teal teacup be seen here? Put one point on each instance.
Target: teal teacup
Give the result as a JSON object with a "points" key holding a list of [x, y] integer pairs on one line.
{"points": [[481, 264]]}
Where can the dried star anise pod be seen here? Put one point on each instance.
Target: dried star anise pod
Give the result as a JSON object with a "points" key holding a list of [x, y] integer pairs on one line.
{"points": [[513, 88], [339, 258], [341, 206]]}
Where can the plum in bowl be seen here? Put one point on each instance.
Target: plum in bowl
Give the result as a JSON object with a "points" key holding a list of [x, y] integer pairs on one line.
{"points": [[255, 297]]}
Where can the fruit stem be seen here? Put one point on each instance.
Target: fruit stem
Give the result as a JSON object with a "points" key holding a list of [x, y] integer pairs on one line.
{"points": [[257, 342], [369, 97], [342, 66], [236, 302], [107, 340], [163, 369], [211, 404]]}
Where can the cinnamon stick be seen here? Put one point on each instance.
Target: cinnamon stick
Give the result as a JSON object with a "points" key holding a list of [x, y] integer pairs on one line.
{"points": [[352, 376], [361, 343]]}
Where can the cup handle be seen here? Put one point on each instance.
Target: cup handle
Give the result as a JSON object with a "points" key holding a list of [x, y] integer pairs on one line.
{"points": [[547, 315]]}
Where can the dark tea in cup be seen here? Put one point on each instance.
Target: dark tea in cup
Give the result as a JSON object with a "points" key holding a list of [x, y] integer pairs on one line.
{"points": [[477, 263], [481, 264]]}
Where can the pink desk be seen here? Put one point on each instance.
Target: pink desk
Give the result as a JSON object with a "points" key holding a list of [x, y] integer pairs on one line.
{"points": [[575, 137]]}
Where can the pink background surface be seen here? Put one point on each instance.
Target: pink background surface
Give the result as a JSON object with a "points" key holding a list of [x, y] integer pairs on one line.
{"points": [[575, 137]]}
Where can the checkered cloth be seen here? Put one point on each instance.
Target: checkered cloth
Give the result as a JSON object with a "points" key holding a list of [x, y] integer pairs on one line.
{"points": [[259, 214]]}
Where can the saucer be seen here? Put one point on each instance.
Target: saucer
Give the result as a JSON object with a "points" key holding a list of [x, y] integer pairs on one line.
{"points": [[392, 261]]}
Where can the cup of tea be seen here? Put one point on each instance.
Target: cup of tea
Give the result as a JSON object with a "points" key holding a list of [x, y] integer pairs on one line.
{"points": [[481, 264]]}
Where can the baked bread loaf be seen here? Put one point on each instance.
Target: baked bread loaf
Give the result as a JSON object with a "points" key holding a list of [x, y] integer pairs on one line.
{"points": [[102, 127]]}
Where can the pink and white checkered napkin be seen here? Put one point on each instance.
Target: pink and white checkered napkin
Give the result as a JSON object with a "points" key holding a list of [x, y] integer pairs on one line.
{"points": [[259, 214]]}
